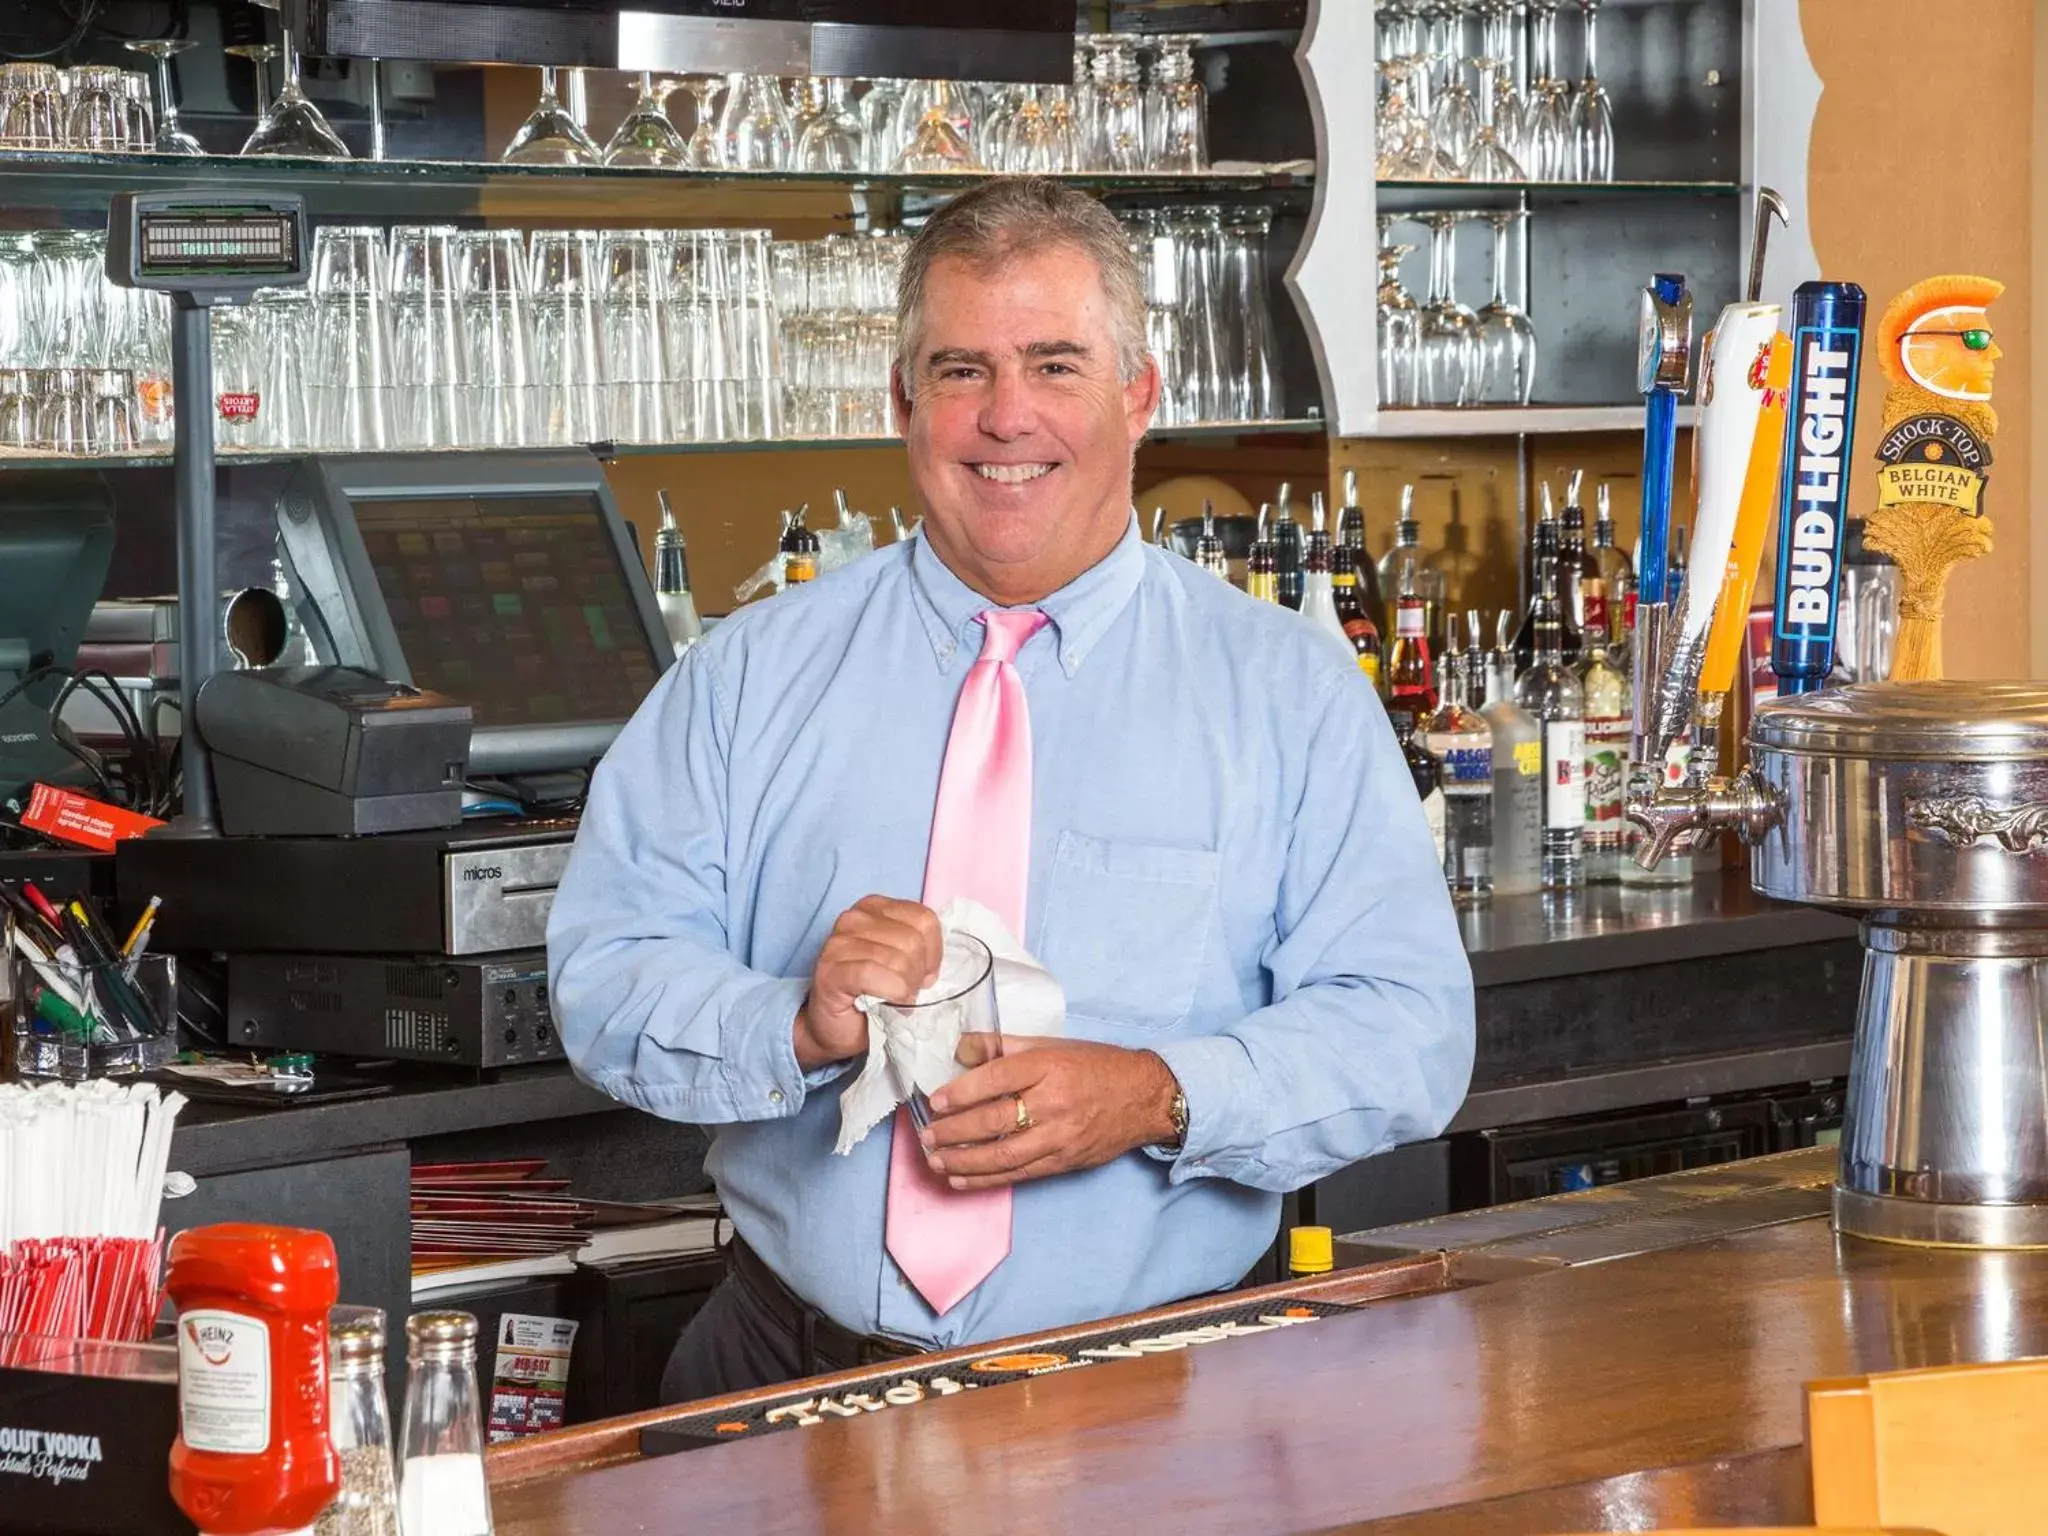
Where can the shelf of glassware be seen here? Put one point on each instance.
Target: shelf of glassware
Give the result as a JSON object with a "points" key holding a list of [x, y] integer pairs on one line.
{"points": [[160, 456], [1513, 420], [1432, 196], [78, 181]]}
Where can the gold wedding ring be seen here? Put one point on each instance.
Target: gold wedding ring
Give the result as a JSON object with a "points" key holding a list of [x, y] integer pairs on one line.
{"points": [[1024, 1120]]}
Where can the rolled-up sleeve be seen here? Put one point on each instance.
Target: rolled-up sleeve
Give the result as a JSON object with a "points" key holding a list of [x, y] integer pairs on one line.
{"points": [[1368, 1041], [652, 1006]]}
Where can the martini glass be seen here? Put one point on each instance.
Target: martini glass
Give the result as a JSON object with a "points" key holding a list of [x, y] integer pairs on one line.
{"points": [[259, 56], [550, 136], [295, 126], [645, 136], [170, 138]]}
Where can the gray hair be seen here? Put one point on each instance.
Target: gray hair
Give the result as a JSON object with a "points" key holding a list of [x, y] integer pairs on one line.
{"points": [[1019, 216]]}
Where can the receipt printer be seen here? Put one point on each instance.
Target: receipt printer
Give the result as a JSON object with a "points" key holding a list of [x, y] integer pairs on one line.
{"points": [[331, 751]]}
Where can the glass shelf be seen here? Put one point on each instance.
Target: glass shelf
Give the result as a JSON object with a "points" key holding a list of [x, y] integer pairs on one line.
{"points": [[1429, 196], [1514, 420], [160, 458], [76, 181]]}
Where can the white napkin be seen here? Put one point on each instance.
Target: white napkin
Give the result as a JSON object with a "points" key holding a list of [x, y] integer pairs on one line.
{"points": [[901, 1057]]}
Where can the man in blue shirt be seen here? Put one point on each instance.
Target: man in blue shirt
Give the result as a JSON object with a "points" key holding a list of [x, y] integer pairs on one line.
{"points": [[1229, 872]]}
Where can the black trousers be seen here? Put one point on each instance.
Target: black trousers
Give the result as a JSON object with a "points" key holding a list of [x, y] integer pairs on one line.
{"points": [[733, 1344]]}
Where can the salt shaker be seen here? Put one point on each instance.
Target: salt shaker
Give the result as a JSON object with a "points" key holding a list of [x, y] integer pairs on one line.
{"points": [[442, 1491], [360, 1423]]}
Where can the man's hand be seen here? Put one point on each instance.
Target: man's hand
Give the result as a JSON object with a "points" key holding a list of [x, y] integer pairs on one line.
{"points": [[1088, 1103], [880, 947]]}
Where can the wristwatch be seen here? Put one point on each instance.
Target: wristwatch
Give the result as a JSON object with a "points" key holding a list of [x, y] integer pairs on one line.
{"points": [[1177, 1110]]}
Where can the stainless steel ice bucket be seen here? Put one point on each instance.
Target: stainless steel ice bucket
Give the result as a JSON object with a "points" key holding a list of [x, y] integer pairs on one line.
{"points": [[1923, 809]]}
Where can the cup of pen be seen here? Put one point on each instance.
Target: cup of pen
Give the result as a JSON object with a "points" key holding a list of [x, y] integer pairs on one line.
{"points": [[73, 1019], [952, 1028]]}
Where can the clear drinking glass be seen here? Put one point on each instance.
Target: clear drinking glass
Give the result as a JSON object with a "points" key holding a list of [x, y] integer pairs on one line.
{"points": [[63, 412], [1197, 236], [1405, 148], [550, 136], [351, 392], [1255, 388], [498, 336], [645, 136], [1177, 110], [18, 406], [97, 115], [238, 384], [1119, 142], [1592, 113], [878, 109], [940, 138], [294, 125], [31, 106], [1448, 333], [1400, 370], [758, 133], [633, 288], [285, 333], [568, 326], [110, 410], [953, 1027], [170, 138], [1507, 341], [429, 338]]}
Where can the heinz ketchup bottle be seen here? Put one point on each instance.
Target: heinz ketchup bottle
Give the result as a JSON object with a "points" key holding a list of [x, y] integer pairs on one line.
{"points": [[253, 1456]]}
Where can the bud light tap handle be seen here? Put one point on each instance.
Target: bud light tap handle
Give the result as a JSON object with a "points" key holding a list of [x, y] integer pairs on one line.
{"points": [[1813, 481]]}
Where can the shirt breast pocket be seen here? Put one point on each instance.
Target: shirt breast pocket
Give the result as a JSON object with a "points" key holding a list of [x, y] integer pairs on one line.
{"points": [[1126, 926]]}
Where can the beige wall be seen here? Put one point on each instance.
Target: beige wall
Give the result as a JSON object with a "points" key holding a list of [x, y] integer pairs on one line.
{"points": [[1920, 164]]}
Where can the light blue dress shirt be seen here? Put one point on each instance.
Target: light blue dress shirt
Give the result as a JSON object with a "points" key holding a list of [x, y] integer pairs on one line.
{"points": [[1228, 867]]}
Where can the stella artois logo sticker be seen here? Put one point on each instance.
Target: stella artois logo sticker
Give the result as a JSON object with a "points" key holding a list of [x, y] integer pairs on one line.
{"points": [[1933, 459]]}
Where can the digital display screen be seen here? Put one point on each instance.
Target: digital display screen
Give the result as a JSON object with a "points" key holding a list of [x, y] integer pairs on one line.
{"points": [[515, 605], [252, 242]]}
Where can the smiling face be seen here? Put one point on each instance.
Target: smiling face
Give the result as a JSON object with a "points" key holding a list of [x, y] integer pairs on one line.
{"points": [[1019, 428]]}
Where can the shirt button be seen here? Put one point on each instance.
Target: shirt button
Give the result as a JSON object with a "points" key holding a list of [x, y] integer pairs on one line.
{"points": [[1073, 658], [774, 1095]]}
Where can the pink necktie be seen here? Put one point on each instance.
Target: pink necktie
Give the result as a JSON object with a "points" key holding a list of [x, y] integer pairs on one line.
{"points": [[946, 1240]]}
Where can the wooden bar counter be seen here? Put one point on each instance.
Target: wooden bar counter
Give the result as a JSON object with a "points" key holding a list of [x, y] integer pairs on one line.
{"points": [[1622, 1358]]}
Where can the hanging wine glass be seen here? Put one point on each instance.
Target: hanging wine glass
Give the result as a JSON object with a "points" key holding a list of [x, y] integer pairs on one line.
{"points": [[645, 136], [1507, 340], [758, 136], [706, 147], [1449, 331], [1489, 159], [1592, 112], [550, 136], [170, 138], [1406, 149], [1548, 151], [1399, 370], [295, 126], [1454, 116]]}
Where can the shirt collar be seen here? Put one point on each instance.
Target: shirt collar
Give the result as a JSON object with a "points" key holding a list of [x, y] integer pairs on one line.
{"points": [[1080, 612]]}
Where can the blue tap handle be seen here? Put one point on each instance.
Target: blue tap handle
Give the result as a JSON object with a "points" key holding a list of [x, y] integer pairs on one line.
{"points": [[1664, 348]]}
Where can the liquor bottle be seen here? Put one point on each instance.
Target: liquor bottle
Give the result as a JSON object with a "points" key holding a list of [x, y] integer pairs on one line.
{"points": [[1209, 553], [1545, 544], [1478, 675], [1262, 564], [1288, 550], [1318, 594], [1576, 566], [1608, 721], [1550, 691], [1405, 573], [1617, 575], [799, 548], [1352, 611], [1351, 536], [1461, 741], [1423, 770], [672, 581], [1411, 689], [1517, 775]]}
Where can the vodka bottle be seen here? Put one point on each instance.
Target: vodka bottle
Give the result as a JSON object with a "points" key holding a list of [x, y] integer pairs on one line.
{"points": [[1461, 741], [1517, 777], [1550, 691], [1607, 738]]}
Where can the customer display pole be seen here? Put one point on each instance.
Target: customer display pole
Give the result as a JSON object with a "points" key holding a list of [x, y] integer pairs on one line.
{"points": [[202, 251]]}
